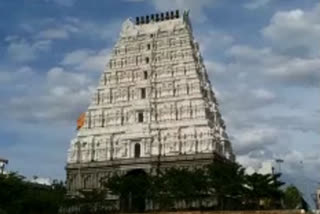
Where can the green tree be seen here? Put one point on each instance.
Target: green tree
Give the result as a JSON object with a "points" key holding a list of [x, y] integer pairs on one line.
{"points": [[226, 182], [20, 196], [159, 193], [132, 188], [184, 185], [12, 189], [292, 197], [263, 191], [178, 187]]}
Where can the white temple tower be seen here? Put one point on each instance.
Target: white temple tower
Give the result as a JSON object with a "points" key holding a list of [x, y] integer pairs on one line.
{"points": [[153, 107]]}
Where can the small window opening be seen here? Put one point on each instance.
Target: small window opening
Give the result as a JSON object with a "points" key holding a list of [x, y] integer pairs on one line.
{"points": [[137, 150], [140, 117], [143, 93], [145, 75], [122, 120], [148, 46], [147, 60]]}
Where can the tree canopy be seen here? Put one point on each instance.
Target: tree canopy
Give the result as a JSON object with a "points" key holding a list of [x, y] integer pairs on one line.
{"points": [[20, 196], [292, 198], [220, 185], [225, 182]]}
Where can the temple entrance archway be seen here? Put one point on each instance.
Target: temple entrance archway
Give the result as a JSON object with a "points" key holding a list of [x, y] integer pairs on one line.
{"points": [[136, 184]]}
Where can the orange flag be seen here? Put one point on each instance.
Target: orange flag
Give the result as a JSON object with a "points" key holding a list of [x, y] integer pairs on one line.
{"points": [[81, 120]]}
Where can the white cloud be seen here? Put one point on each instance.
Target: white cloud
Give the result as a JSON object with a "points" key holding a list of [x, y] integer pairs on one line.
{"points": [[255, 4], [294, 162], [49, 29], [57, 76], [252, 56], [197, 8], [263, 94], [133, 0], [59, 96], [101, 31], [295, 31], [93, 30], [247, 161], [8, 76], [43, 181], [267, 168], [213, 41], [76, 57], [276, 67], [65, 3], [53, 34], [87, 60], [297, 70], [254, 140], [215, 67], [22, 51], [11, 38], [243, 99]]}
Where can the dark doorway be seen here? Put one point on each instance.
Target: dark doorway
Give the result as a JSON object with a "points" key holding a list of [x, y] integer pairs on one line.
{"points": [[134, 198], [137, 150]]}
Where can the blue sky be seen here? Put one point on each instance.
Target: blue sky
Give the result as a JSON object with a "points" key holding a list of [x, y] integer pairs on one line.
{"points": [[263, 58]]}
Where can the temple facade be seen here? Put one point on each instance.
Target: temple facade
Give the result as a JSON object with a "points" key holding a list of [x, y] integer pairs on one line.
{"points": [[153, 107]]}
